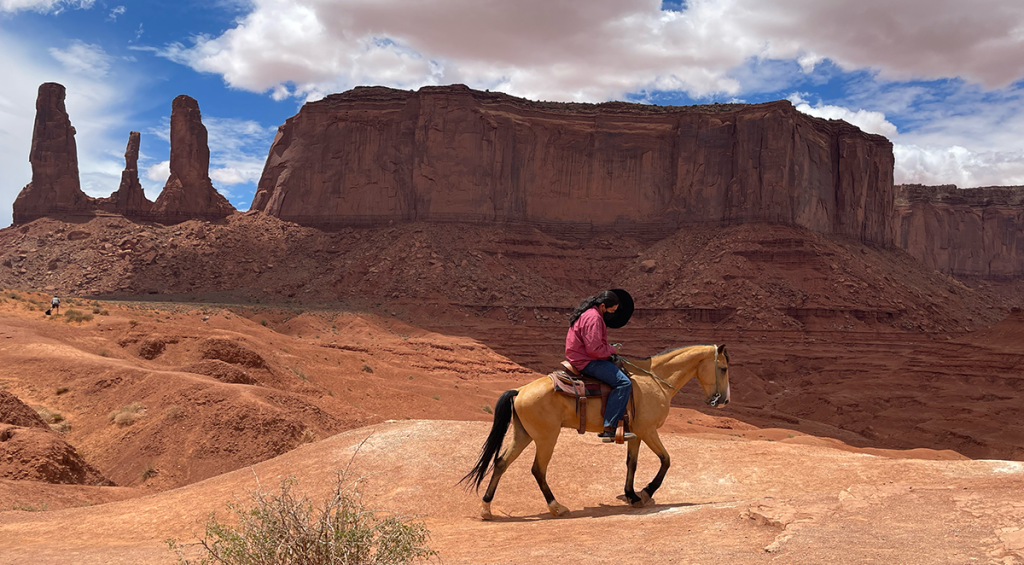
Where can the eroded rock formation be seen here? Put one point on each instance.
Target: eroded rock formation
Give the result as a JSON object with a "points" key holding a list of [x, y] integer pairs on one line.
{"points": [[966, 232], [189, 193], [374, 154], [130, 199], [55, 187]]}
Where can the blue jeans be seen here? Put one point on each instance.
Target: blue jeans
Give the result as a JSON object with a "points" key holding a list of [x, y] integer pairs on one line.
{"points": [[609, 373]]}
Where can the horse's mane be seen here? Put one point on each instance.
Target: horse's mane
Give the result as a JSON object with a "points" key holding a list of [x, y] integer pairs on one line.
{"points": [[671, 349]]}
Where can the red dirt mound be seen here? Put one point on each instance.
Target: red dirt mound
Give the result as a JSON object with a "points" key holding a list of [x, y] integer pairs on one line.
{"points": [[220, 370], [17, 413], [41, 455]]}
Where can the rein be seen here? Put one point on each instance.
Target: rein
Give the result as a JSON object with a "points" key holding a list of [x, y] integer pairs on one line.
{"points": [[715, 398]]}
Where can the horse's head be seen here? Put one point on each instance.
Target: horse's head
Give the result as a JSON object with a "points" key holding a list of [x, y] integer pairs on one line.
{"points": [[713, 374]]}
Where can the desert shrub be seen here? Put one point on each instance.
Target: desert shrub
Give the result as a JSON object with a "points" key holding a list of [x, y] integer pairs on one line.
{"points": [[62, 390], [307, 436], [95, 309], [128, 415], [76, 316], [14, 296], [147, 473], [49, 416], [487, 409], [173, 412], [289, 528], [367, 369]]}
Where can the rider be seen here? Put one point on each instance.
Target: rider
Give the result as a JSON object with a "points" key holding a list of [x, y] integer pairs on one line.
{"points": [[586, 347]]}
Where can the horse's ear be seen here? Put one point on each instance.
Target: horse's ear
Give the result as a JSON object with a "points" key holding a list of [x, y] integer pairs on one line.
{"points": [[722, 351]]}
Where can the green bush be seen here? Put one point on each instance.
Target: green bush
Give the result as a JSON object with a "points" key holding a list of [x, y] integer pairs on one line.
{"points": [[289, 529]]}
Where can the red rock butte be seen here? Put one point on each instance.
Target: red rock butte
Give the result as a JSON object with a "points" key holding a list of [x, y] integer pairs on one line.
{"points": [[974, 232], [373, 155]]}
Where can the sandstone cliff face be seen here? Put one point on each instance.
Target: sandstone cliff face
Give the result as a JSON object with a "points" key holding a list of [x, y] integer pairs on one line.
{"points": [[965, 232], [55, 187], [130, 199], [189, 193], [372, 155]]}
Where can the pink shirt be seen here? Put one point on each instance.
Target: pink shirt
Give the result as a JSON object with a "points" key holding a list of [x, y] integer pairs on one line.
{"points": [[587, 340]]}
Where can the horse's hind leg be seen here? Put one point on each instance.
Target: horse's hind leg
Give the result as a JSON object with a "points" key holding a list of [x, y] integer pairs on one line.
{"points": [[545, 448], [520, 440]]}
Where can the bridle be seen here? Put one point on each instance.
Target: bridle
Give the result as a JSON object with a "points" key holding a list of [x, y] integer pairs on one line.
{"points": [[714, 400]]}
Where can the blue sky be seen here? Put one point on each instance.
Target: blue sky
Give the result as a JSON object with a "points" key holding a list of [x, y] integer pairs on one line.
{"points": [[943, 80]]}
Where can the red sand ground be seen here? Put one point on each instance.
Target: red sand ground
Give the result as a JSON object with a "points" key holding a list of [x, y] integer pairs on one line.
{"points": [[839, 351]]}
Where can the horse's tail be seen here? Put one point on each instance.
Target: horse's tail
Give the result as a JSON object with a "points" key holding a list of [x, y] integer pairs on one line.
{"points": [[492, 447]]}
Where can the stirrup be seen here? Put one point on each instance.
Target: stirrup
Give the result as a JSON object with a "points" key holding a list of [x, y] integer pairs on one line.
{"points": [[626, 436]]}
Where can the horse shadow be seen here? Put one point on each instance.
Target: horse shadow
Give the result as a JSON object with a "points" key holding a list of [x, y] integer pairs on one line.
{"points": [[604, 510]]}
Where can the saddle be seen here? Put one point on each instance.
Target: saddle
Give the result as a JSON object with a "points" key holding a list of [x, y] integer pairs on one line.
{"points": [[568, 381]]}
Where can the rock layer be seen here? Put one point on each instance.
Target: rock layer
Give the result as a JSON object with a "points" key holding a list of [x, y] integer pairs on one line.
{"points": [[373, 155], [189, 193], [55, 187], [976, 232]]}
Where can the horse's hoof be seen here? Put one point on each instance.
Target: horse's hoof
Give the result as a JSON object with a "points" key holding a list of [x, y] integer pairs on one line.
{"points": [[646, 498], [557, 509], [485, 511]]}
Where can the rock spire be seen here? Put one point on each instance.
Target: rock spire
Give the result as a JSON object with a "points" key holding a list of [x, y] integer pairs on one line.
{"points": [[189, 193], [55, 187]]}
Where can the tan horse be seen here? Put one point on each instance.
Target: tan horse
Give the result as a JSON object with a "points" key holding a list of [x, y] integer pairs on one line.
{"points": [[539, 413]]}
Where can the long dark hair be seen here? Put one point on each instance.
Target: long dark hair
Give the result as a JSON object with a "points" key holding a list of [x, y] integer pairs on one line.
{"points": [[608, 298]]}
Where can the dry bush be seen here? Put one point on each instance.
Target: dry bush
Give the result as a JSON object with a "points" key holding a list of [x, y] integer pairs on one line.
{"points": [[129, 414], [290, 529], [49, 416], [76, 316], [173, 412]]}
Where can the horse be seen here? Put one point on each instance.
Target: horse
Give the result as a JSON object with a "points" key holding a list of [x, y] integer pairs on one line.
{"points": [[537, 413]]}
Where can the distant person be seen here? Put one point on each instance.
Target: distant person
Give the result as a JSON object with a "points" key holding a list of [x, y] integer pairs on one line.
{"points": [[586, 347], [55, 305]]}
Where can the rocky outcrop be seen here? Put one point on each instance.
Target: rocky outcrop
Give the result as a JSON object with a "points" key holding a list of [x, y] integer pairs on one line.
{"points": [[976, 232], [189, 193], [130, 199], [55, 187], [373, 155]]}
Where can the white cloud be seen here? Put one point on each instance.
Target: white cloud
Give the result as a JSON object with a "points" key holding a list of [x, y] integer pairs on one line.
{"points": [[600, 49], [81, 57], [866, 120], [967, 141], [44, 6], [238, 151], [159, 172], [964, 141], [117, 11]]}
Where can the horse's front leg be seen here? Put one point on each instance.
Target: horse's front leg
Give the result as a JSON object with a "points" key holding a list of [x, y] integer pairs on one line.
{"points": [[632, 454], [653, 441]]}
